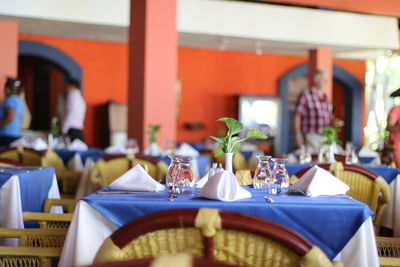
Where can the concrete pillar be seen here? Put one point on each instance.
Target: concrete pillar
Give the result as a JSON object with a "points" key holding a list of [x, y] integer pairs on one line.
{"points": [[152, 70], [321, 58], [8, 52]]}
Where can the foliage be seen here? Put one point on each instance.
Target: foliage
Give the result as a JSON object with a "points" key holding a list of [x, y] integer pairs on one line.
{"points": [[153, 129], [331, 135], [55, 126], [230, 142]]}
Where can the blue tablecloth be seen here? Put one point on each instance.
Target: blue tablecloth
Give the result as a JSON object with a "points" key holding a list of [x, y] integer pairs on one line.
{"points": [[328, 222], [387, 173], [34, 182], [93, 153], [203, 162]]}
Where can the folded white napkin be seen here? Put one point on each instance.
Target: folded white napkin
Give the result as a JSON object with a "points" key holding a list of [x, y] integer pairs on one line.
{"points": [[20, 142], [39, 144], [224, 186], [136, 179], [367, 152], [317, 181], [200, 183], [116, 149], [187, 150], [78, 145]]}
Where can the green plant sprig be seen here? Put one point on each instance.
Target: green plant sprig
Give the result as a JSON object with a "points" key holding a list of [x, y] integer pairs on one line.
{"points": [[153, 129], [230, 142], [331, 136]]}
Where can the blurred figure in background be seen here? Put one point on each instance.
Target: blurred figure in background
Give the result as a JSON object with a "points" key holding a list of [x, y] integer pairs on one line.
{"points": [[11, 113], [393, 126], [74, 111], [313, 113]]}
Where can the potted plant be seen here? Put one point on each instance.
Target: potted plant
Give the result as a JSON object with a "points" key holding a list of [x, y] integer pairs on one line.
{"points": [[229, 143], [153, 129], [330, 133]]}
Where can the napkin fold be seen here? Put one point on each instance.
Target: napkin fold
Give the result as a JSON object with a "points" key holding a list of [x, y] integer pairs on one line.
{"points": [[187, 150], [201, 182], [116, 149], [39, 144], [224, 186], [317, 181], [20, 142], [136, 179], [367, 152], [77, 145]]}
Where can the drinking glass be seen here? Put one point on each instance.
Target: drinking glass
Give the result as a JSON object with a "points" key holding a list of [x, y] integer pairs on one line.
{"points": [[172, 171], [262, 177], [184, 181], [280, 177]]}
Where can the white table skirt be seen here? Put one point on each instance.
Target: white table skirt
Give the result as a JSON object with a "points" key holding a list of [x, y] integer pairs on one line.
{"points": [[391, 215], [89, 229], [11, 207]]}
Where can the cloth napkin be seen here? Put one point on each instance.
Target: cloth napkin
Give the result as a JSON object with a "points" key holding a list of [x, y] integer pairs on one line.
{"points": [[317, 181], [187, 150], [20, 142], [116, 149], [136, 179], [224, 186], [200, 183], [367, 152], [39, 144], [78, 145], [75, 163], [154, 150]]}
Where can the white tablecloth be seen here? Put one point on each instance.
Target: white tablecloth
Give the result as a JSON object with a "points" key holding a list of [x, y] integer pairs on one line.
{"points": [[391, 215], [11, 207], [89, 229]]}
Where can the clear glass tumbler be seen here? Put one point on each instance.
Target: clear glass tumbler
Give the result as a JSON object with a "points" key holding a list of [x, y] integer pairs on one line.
{"points": [[184, 180], [280, 176], [172, 171], [262, 177]]}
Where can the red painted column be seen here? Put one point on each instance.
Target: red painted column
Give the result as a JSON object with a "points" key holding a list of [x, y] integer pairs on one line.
{"points": [[152, 70], [8, 52], [321, 58]]}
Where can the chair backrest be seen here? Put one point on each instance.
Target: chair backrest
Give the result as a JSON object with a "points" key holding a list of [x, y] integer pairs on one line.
{"points": [[52, 159], [32, 157], [108, 169], [49, 220], [68, 205], [9, 162], [365, 186], [225, 236], [37, 246], [12, 153], [244, 177], [156, 168]]}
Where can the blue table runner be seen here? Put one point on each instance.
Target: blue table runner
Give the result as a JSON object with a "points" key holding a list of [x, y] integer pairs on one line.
{"points": [[93, 153], [34, 182], [328, 222]]}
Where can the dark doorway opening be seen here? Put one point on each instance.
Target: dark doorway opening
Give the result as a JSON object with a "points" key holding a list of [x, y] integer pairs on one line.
{"points": [[43, 83]]}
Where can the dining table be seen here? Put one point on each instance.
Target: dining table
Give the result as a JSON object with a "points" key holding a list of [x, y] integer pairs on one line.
{"points": [[391, 215], [24, 189], [340, 225]]}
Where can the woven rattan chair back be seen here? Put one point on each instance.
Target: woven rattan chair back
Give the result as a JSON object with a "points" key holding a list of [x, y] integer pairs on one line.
{"points": [[12, 153], [224, 236], [388, 251], [49, 220], [9, 162], [68, 205]]}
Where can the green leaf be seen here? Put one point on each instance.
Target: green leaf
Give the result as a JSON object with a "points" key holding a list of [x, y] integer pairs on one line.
{"points": [[235, 148], [233, 125], [219, 140], [220, 150], [255, 133]]}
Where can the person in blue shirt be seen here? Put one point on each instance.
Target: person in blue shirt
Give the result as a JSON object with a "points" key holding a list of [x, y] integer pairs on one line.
{"points": [[11, 113]]}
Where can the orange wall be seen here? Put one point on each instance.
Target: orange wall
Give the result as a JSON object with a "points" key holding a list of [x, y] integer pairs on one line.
{"points": [[379, 7], [8, 51], [211, 80]]}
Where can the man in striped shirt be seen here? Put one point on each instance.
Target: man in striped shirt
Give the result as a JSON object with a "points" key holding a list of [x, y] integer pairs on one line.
{"points": [[313, 113]]}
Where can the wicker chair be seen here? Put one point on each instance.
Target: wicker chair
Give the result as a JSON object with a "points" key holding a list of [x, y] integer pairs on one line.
{"points": [[388, 251], [49, 220], [106, 170], [169, 260], [68, 205], [13, 153], [37, 246], [224, 236], [9, 162], [365, 186], [244, 177]]}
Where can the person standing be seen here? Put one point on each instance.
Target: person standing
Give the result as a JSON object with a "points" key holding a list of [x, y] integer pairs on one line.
{"points": [[74, 111], [313, 113], [393, 126], [11, 113]]}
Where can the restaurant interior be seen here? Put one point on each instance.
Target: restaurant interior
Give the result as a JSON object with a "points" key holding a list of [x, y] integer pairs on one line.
{"points": [[199, 133]]}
